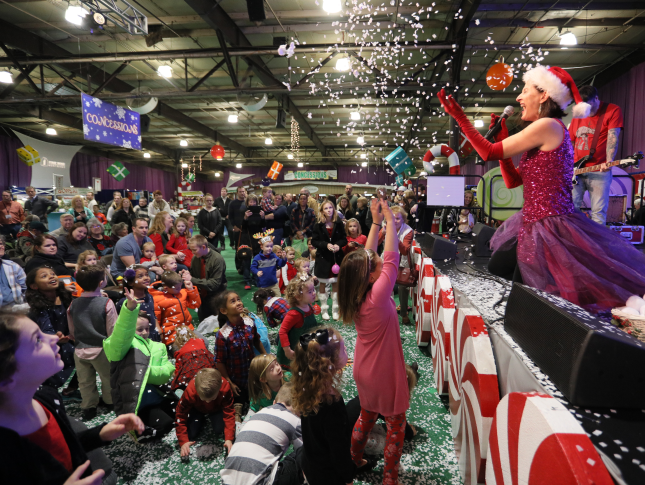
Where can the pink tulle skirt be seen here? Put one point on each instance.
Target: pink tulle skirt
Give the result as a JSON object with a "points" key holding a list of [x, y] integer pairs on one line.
{"points": [[575, 258]]}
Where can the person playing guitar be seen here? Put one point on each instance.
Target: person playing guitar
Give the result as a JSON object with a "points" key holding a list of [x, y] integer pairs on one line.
{"points": [[595, 141]]}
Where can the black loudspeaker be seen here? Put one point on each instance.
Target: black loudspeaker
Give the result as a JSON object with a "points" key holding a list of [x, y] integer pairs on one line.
{"points": [[256, 10], [482, 236], [436, 247], [145, 123], [591, 362]]}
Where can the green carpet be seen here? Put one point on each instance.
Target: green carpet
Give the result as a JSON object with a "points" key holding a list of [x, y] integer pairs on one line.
{"points": [[428, 459]]}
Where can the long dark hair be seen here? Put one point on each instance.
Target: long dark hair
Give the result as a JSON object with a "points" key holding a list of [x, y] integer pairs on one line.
{"points": [[40, 240], [39, 302], [218, 302], [70, 235], [9, 337]]}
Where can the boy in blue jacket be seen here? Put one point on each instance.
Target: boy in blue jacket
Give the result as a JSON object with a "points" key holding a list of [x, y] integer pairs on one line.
{"points": [[266, 263]]}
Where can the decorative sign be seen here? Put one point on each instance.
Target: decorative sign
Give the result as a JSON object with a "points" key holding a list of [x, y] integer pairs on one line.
{"points": [[118, 171], [96, 183], [106, 123], [71, 191], [236, 177], [311, 188], [55, 161], [311, 175], [192, 193]]}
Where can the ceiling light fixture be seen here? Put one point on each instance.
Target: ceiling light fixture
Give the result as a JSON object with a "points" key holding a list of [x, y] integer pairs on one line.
{"points": [[183, 142], [6, 77], [51, 131], [217, 174], [232, 118], [568, 38], [364, 164], [290, 156], [479, 123], [355, 115], [165, 71], [300, 164], [184, 165], [360, 140], [75, 14], [239, 165], [268, 141], [332, 6], [146, 155], [343, 64]]}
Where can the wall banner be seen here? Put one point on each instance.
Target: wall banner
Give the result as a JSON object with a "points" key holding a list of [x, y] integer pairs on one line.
{"points": [[107, 123], [311, 175]]}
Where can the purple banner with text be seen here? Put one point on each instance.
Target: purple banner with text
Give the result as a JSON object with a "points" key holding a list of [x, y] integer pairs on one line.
{"points": [[104, 122]]}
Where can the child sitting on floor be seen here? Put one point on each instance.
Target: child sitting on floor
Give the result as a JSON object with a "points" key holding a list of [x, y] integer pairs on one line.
{"points": [[300, 319], [274, 307], [265, 263], [89, 258], [288, 271], [326, 430], [234, 343], [206, 395], [168, 262], [172, 304], [191, 356], [139, 367], [149, 254], [265, 380], [250, 461]]}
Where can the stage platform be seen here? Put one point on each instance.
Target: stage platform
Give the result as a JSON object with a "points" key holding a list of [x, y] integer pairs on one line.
{"points": [[618, 435]]}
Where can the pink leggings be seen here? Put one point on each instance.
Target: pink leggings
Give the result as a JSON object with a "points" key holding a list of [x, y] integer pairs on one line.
{"points": [[393, 442]]}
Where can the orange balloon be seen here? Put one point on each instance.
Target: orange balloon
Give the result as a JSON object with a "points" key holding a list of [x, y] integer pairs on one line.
{"points": [[500, 76]]}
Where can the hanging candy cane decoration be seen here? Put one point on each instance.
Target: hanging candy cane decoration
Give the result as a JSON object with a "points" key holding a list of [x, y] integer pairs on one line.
{"points": [[425, 290], [417, 257], [441, 151], [184, 186], [473, 391], [534, 440]]}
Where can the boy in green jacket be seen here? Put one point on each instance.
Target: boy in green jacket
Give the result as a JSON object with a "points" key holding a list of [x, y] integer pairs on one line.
{"points": [[138, 367]]}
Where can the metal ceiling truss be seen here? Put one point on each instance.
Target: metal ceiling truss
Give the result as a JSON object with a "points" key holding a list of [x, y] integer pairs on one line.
{"points": [[121, 14]]}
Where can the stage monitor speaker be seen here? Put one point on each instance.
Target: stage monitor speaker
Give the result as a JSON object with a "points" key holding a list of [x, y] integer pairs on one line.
{"points": [[590, 361], [256, 10], [145, 123], [425, 216], [437, 247], [482, 236]]}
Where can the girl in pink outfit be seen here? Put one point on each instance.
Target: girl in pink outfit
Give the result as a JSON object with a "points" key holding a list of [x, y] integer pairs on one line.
{"points": [[365, 297]]}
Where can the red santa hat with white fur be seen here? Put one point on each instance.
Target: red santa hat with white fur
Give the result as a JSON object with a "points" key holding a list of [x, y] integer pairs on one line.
{"points": [[560, 87]]}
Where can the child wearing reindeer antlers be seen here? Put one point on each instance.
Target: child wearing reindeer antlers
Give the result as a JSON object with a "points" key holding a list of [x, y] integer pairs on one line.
{"points": [[265, 263]]}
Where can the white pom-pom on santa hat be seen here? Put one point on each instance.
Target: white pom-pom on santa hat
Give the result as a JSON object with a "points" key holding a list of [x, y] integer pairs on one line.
{"points": [[560, 87]]}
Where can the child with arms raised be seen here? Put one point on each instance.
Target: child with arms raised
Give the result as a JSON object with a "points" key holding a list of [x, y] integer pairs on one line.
{"points": [[37, 442], [137, 279], [139, 367], [300, 319], [326, 431], [206, 395], [366, 284], [234, 343]]}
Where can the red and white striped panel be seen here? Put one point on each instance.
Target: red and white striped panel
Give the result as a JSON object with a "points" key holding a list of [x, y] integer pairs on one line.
{"points": [[444, 306], [417, 257], [425, 297], [535, 440], [473, 392]]}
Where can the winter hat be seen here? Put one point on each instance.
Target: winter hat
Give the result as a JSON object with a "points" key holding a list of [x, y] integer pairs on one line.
{"points": [[560, 87]]}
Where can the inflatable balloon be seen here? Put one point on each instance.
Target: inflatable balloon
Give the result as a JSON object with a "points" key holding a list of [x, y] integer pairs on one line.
{"points": [[217, 151], [500, 76], [335, 269], [317, 310]]}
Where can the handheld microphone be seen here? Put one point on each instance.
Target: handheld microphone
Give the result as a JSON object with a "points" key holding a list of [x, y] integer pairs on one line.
{"points": [[508, 111]]}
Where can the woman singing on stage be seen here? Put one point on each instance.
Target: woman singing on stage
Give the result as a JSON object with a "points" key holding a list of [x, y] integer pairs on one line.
{"points": [[555, 248]]}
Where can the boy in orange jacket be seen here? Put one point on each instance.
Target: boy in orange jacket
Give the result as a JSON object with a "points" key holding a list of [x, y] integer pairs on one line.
{"points": [[206, 395], [172, 304]]}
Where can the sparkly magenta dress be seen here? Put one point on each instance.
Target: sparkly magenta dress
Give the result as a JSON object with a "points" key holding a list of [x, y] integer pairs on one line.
{"points": [[562, 251]]}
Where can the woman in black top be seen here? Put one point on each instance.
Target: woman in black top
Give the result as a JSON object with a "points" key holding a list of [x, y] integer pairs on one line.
{"points": [[28, 358], [101, 243], [345, 208], [44, 253], [124, 213], [253, 223], [73, 244], [209, 221]]}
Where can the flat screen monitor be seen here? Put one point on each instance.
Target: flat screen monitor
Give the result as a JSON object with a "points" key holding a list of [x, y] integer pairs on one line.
{"points": [[446, 191]]}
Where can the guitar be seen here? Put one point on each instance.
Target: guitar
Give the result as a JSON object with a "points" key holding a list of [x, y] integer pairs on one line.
{"points": [[578, 168]]}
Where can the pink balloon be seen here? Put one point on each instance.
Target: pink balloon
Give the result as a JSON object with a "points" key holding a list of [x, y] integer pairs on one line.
{"points": [[335, 269]]}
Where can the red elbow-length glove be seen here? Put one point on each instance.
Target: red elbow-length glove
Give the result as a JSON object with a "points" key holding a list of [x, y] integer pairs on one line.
{"points": [[487, 150]]}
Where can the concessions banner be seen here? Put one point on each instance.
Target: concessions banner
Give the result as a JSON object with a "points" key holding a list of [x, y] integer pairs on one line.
{"points": [[311, 175], [110, 124]]}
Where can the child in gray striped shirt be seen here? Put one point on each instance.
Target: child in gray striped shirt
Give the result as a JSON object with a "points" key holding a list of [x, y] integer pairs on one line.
{"points": [[255, 458]]}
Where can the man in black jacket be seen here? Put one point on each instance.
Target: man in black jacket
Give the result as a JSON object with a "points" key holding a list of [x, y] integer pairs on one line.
{"points": [[236, 210], [39, 206], [222, 204], [210, 222]]}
